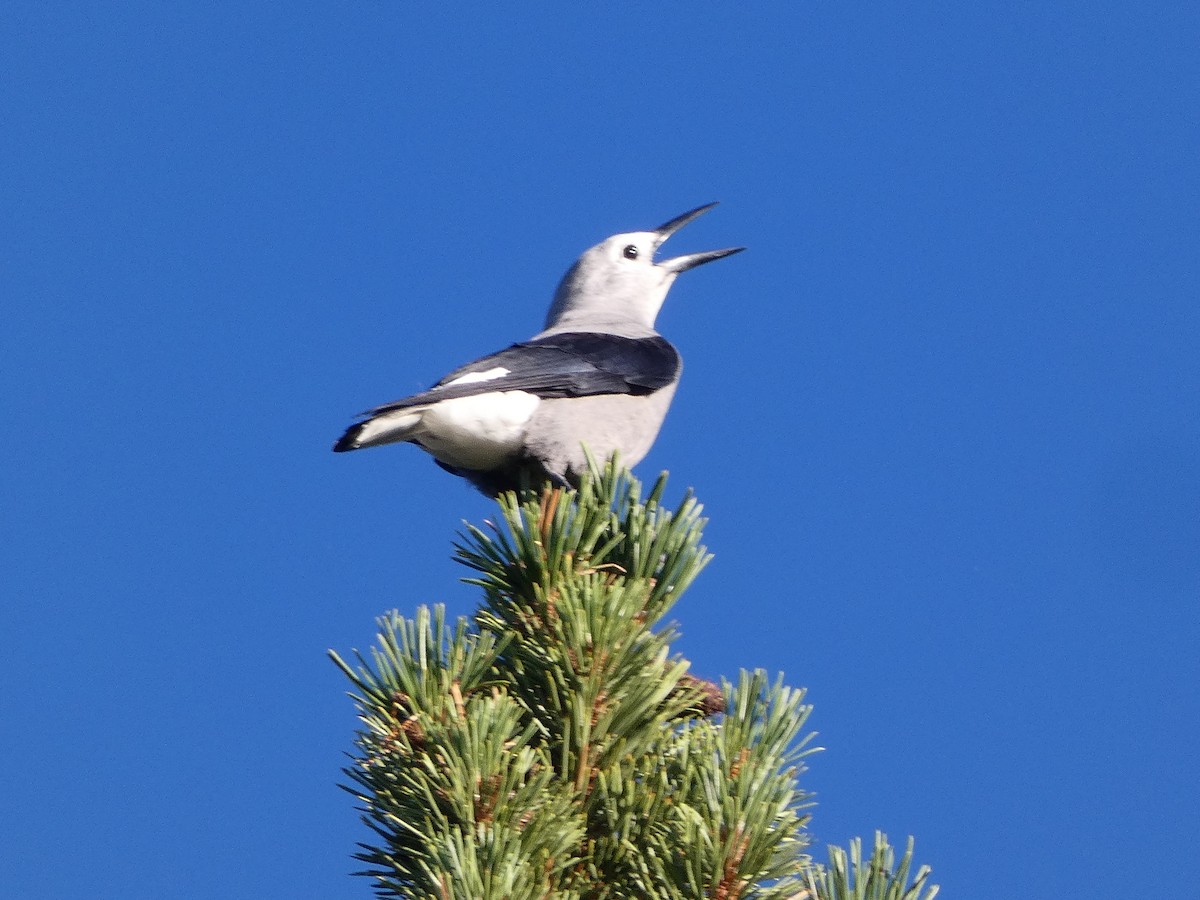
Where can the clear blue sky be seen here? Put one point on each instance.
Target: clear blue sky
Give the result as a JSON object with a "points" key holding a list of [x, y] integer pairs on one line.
{"points": [[943, 413]]}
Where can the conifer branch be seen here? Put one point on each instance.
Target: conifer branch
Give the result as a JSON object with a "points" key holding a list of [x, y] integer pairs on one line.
{"points": [[553, 746], [850, 877]]}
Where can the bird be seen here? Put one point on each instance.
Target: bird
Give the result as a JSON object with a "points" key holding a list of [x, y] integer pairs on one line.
{"points": [[598, 378]]}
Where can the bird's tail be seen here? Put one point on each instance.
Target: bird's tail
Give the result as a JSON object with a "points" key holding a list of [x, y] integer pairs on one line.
{"points": [[387, 428]]}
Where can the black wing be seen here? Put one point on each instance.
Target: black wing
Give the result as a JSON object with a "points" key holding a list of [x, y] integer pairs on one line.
{"points": [[563, 365]]}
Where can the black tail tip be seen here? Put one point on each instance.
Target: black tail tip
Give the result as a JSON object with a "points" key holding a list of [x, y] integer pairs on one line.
{"points": [[348, 441]]}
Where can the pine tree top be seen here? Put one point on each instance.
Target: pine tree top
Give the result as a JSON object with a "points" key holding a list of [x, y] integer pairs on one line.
{"points": [[554, 745]]}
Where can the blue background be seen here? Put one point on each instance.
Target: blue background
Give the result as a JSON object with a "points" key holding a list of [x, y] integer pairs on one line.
{"points": [[943, 413]]}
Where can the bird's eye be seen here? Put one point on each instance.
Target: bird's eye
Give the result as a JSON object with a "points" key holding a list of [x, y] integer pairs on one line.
{"points": [[630, 252]]}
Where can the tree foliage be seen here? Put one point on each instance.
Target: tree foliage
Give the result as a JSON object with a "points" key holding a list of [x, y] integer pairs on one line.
{"points": [[555, 747]]}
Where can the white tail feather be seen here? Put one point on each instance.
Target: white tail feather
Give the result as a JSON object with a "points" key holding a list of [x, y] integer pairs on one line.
{"points": [[389, 428]]}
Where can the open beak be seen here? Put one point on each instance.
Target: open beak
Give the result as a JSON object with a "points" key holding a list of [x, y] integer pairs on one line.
{"points": [[691, 260]]}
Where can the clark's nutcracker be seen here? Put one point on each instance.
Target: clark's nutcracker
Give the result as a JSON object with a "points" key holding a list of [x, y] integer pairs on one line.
{"points": [[598, 375]]}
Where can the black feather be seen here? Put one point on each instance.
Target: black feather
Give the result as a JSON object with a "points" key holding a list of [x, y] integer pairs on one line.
{"points": [[574, 364], [349, 440]]}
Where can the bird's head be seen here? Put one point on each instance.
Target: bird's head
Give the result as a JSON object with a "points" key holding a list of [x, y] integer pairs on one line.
{"points": [[618, 286]]}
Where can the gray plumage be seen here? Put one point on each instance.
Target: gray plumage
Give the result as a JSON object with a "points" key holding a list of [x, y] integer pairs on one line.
{"points": [[598, 375]]}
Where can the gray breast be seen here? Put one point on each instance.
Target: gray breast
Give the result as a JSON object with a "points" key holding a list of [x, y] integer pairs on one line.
{"points": [[606, 423]]}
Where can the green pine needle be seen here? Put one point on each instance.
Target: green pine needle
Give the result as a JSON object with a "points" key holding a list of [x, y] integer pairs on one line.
{"points": [[553, 746]]}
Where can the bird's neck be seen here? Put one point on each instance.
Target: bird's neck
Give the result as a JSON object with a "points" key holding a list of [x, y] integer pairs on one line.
{"points": [[594, 324]]}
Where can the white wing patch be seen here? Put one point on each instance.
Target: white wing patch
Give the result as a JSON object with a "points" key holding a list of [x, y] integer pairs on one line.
{"points": [[472, 377]]}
